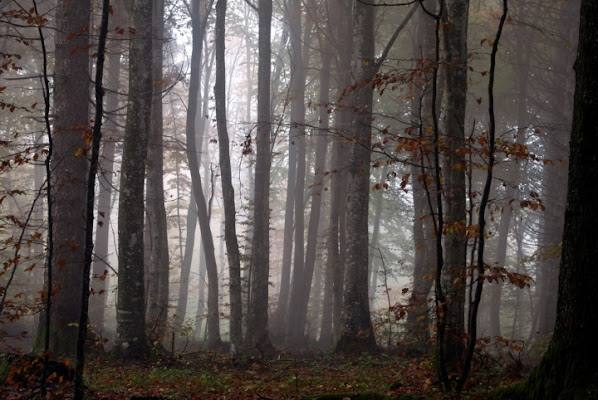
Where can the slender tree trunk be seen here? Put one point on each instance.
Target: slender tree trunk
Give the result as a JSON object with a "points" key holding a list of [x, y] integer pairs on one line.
{"points": [[192, 218], [373, 268], [213, 318], [230, 232], [159, 267], [297, 137], [301, 292], [100, 277], [257, 324], [424, 195]]}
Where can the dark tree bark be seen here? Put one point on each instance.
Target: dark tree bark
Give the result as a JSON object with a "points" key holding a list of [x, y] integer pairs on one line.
{"points": [[257, 323], [131, 336], [568, 369], [455, 240], [69, 174], [230, 232], [90, 202]]}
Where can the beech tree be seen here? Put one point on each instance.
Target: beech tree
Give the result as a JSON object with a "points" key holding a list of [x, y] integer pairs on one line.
{"points": [[69, 171], [131, 335], [257, 324]]}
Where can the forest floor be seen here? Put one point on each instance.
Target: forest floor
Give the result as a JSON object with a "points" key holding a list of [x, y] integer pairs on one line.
{"points": [[208, 375]]}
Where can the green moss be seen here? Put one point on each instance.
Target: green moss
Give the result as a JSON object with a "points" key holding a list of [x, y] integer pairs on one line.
{"points": [[567, 372], [6, 360]]}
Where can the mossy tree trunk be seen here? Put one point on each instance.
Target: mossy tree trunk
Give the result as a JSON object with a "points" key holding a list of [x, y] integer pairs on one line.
{"points": [[569, 369]]}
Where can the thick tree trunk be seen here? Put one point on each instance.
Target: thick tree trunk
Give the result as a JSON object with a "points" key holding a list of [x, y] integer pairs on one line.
{"points": [[257, 324], [455, 240], [568, 369], [356, 327], [131, 297], [69, 174], [230, 232]]}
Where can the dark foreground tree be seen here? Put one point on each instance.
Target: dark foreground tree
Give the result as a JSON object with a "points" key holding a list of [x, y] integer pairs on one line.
{"points": [[69, 173], [569, 369]]}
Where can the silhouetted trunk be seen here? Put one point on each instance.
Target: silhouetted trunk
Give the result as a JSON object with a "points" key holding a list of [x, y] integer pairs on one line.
{"points": [[257, 323], [131, 336], [230, 232]]}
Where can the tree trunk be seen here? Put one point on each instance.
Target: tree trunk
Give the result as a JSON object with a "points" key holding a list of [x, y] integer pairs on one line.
{"points": [[373, 269], [159, 262], [100, 277], [297, 137], [357, 333], [455, 240], [213, 319], [257, 324], [230, 232], [568, 369], [131, 337], [301, 294]]}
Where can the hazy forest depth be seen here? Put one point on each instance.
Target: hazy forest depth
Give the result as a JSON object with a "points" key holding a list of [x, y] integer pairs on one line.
{"points": [[292, 199]]}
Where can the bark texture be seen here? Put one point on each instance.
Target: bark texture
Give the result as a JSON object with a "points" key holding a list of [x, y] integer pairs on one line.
{"points": [[568, 369], [455, 240], [257, 323], [130, 312], [356, 327]]}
